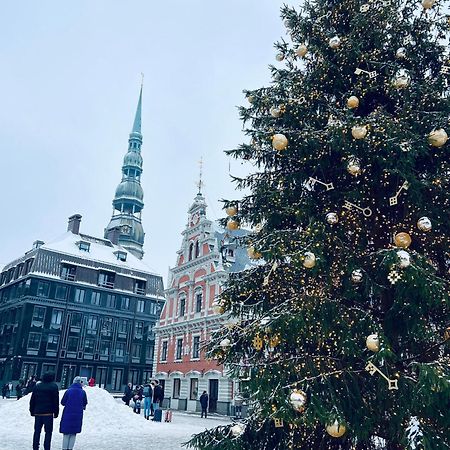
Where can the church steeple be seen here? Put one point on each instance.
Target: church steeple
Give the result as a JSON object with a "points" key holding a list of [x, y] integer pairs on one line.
{"points": [[129, 198]]}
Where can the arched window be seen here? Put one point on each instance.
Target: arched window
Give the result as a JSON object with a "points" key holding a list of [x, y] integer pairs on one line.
{"points": [[197, 249], [191, 250], [198, 300]]}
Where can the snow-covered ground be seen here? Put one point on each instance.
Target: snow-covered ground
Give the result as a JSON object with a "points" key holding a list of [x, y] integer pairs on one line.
{"points": [[107, 425]]}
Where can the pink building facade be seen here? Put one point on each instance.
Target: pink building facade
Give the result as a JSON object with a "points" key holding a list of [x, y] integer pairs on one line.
{"points": [[206, 257]]}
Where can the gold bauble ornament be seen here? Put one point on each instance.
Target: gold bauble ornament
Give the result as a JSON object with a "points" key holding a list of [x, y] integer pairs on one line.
{"points": [[447, 334], [334, 42], [353, 102], [373, 343], [301, 50], [298, 400], [257, 342], [232, 225], [275, 111], [353, 166], [336, 429], [253, 254], [359, 131], [250, 99], [427, 4], [279, 142], [332, 218], [279, 56], [225, 344], [438, 138], [424, 224], [402, 240], [231, 210], [218, 308], [309, 260], [274, 340]]}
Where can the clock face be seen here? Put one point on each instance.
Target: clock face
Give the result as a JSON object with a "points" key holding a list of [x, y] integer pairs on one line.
{"points": [[195, 218]]}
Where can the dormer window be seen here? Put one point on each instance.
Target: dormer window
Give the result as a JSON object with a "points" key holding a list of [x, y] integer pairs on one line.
{"points": [[84, 246], [106, 279], [68, 272], [121, 256], [139, 286]]}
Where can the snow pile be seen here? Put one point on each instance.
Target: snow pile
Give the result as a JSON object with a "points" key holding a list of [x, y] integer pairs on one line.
{"points": [[107, 425]]}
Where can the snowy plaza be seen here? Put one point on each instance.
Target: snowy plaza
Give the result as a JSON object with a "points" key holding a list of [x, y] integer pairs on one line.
{"points": [[107, 425]]}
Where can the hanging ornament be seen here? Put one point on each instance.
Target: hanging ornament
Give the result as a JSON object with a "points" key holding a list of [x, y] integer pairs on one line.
{"points": [[237, 429], [250, 99], [257, 342], [298, 400], [394, 276], [353, 102], [373, 343], [438, 138], [301, 50], [279, 56], [447, 334], [404, 260], [253, 254], [225, 344], [359, 131], [309, 260], [353, 166], [275, 111], [402, 240], [218, 308], [334, 42], [332, 218], [400, 53], [279, 141], [336, 429], [274, 341], [427, 4], [232, 225], [231, 210], [424, 224], [401, 79], [357, 276]]}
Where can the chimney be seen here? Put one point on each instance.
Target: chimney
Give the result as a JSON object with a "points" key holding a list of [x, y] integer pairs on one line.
{"points": [[74, 224], [114, 235], [37, 244]]}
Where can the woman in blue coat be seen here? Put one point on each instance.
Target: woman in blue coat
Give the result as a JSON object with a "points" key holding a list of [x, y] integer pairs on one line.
{"points": [[74, 401]]}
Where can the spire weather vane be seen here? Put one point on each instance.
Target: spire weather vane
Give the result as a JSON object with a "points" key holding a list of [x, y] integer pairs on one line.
{"points": [[200, 183]]}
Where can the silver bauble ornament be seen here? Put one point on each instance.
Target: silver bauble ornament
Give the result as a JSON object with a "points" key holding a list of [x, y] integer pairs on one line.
{"points": [[353, 166], [359, 131], [275, 111], [357, 276], [404, 259], [401, 79], [373, 343], [400, 53], [225, 343], [438, 138], [298, 400], [332, 218], [279, 56], [424, 224], [237, 429], [334, 42], [309, 260]]}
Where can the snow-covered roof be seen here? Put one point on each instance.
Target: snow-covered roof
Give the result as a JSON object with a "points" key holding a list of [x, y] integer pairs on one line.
{"points": [[100, 250]]}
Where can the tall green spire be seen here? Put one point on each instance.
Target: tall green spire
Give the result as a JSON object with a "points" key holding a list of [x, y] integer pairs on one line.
{"points": [[137, 117]]}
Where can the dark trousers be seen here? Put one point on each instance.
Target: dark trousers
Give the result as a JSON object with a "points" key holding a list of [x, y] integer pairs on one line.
{"points": [[204, 412], [47, 422]]}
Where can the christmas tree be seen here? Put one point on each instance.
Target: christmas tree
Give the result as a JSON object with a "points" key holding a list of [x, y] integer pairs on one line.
{"points": [[339, 332]]}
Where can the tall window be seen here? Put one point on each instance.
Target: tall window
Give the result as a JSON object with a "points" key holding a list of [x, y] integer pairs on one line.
{"points": [[79, 295], [92, 322], [72, 344], [38, 313], [197, 249], [122, 326], [57, 315], [120, 349], [182, 308], [140, 306], [106, 279], [34, 341], [110, 301], [164, 351], [89, 344], [139, 286], [95, 298], [176, 387], [125, 303], [43, 289], [105, 348], [138, 328], [149, 352], [198, 301], [136, 350], [61, 292], [179, 349], [194, 389], [196, 347], [76, 320], [191, 250], [52, 342]]}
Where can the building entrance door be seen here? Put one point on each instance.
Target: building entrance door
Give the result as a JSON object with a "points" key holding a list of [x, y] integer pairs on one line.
{"points": [[102, 372], [116, 379], [213, 395]]}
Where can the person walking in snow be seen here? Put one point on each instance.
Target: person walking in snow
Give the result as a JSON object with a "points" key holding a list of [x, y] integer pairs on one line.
{"points": [[91, 382], [19, 389], [158, 395], [204, 404], [74, 401], [5, 390], [147, 392], [128, 394], [44, 407]]}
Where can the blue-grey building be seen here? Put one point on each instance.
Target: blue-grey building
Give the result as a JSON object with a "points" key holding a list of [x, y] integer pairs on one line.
{"points": [[83, 305]]}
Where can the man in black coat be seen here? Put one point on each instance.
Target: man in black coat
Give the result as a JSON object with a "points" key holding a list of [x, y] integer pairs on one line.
{"points": [[44, 406], [158, 394], [204, 403]]}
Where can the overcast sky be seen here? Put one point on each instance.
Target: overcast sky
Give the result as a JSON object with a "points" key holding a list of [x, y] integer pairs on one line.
{"points": [[68, 91]]}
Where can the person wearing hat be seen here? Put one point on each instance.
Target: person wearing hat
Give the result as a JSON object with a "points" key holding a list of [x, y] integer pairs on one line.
{"points": [[44, 407], [74, 401]]}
